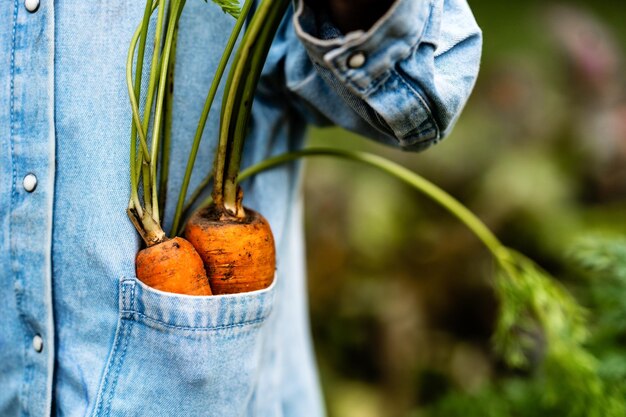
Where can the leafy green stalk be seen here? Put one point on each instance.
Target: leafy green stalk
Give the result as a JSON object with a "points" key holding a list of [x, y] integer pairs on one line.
{"points": [[140, 33], [166, 132], [158, 112], [416, 181], [206, 109], [268, 15], [142, 218], [244, 111], [168, 109], [229, 6], [145, 164], [152, 85]]}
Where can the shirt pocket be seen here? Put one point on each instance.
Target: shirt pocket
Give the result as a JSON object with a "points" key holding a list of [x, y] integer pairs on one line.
{"points": [[180, 355]]}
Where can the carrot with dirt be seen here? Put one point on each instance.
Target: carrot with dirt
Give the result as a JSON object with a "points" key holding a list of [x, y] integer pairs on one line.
{"points": [[171, 265], [235, 243]]}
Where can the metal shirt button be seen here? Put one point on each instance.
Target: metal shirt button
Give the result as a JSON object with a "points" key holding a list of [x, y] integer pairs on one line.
{"points": [[356, 60], [31, 5], [37, 343], [30, 182]]}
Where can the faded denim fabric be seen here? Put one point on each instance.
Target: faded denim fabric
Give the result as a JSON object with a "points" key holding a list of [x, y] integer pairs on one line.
{"points": [[79, 334]]}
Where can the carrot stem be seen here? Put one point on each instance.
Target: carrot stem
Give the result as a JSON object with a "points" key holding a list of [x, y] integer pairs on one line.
{"points": [[206, 109], [155, 67], [136, 125], [141, 35], [268, 14], [158, 111], [243, 113], [145, 219], [168, 107]]}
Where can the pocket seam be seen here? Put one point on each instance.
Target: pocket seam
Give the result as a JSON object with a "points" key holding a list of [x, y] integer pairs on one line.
{"points": [[194, 329], [109, 382], [140, 308], [125, 335]]}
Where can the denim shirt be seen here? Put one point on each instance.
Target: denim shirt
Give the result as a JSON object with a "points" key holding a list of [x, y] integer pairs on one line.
{"points": [[79, 334]]}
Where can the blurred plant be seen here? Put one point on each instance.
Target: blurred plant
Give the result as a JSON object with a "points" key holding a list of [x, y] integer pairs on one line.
{"points": [[602, 260], [569, 371], [583, 372]]}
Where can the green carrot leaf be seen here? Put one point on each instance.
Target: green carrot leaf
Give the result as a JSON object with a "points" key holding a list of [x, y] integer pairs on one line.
{"points": [[541, 327], [232, 7]]}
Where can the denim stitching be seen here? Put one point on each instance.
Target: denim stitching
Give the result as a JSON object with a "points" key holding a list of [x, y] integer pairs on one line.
{"points": [[376, 82], [106, 390], [132, 298], [126, 331], [29, 369], [371, 87], [126, 328], [12, 99], [258, 315], [416, 38], [113, 369], [13, 202], [127, 308], [373, 84], [379, 80], [201, 329], [424, 104], [231, 310], [104, 387], [130, 312]]}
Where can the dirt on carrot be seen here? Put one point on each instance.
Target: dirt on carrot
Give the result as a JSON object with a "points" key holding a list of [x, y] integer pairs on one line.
{"points": [[239, 254]]}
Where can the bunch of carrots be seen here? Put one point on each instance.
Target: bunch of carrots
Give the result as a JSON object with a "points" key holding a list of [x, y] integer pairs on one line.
{"points": [[226, 247]]}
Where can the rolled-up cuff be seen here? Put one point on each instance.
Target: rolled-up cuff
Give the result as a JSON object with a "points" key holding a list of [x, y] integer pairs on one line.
{"points": [[362, 60]]}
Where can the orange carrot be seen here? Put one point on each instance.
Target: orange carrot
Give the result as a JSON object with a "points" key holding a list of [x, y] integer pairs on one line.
{"points": [[235, 244], [238, 253], [173, 266]]}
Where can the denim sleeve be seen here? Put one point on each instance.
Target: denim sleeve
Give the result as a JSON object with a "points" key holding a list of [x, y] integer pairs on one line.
{"points": [[403, 82]]}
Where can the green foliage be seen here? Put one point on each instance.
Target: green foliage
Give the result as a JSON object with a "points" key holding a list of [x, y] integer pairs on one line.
{"points": [[513, 399], [531, 302], [575, 364], [603, 263], [232, 7]]}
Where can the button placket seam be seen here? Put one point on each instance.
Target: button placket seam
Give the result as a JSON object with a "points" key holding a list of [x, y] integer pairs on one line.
{"points": [[45, 328], [18, 290], [12, 123], [51, 175]]}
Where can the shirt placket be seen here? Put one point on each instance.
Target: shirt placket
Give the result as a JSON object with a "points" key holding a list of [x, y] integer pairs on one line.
{"points": [[32, 146]]}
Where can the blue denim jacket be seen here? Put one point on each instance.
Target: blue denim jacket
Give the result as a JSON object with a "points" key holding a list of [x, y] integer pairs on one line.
{"points": [[79, 334]]}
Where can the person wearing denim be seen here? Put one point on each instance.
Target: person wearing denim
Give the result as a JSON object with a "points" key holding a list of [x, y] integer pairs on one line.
{"points": [[79, 334]]}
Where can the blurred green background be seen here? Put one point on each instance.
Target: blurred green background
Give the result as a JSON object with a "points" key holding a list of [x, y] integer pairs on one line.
{"points": [[400, 293]]}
